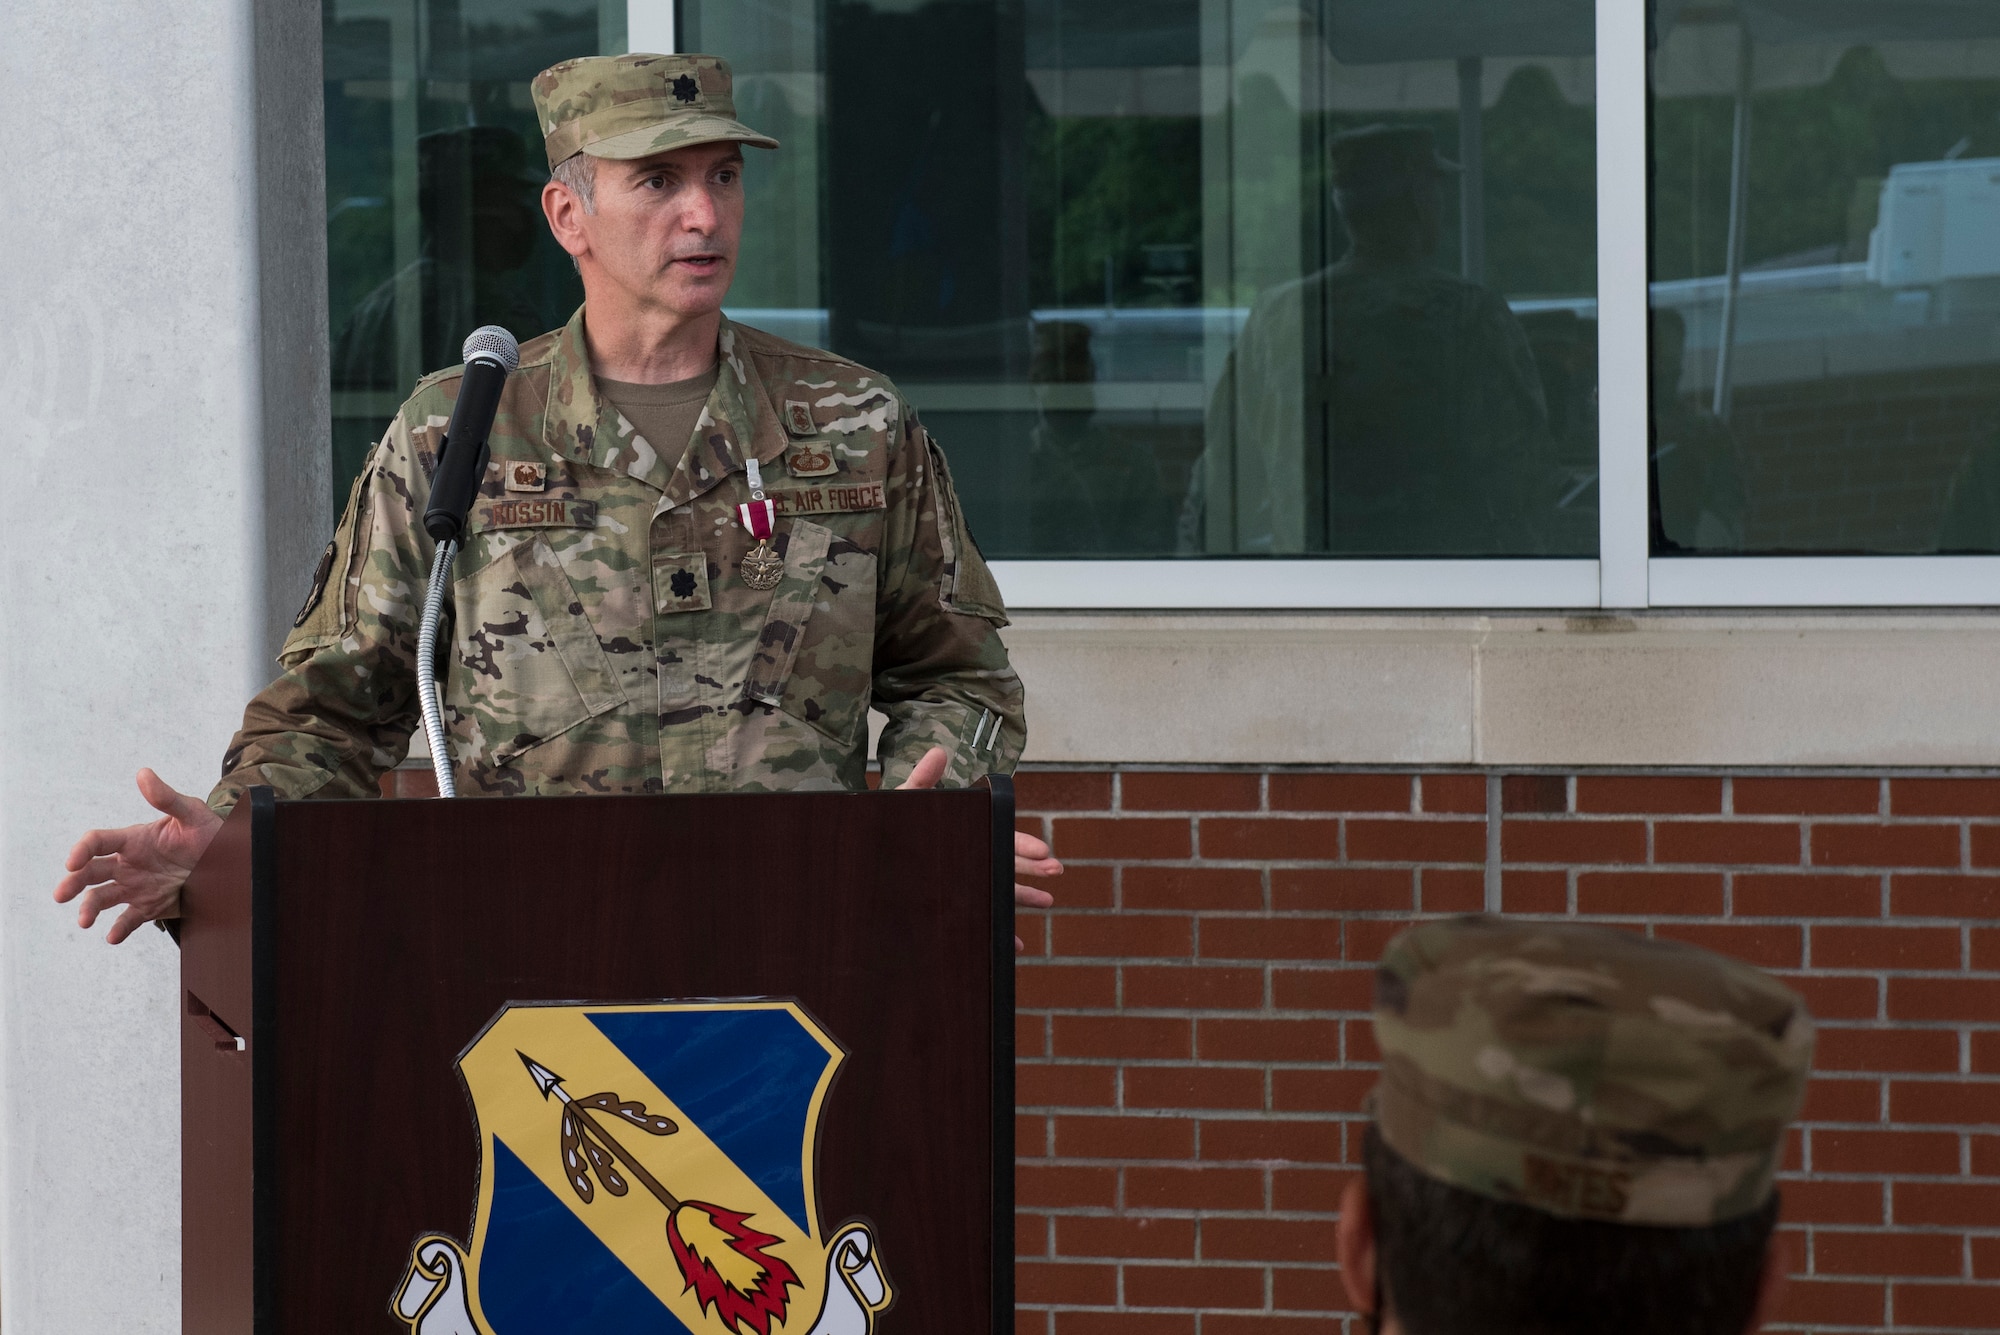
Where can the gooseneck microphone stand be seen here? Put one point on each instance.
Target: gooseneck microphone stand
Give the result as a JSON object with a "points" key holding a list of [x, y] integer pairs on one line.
{"points": [[427, 673], [490, 354]]}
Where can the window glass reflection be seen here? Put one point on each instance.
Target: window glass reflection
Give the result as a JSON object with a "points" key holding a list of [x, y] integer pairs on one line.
{"points": [[1826, 257], [1198, 277], [434, 172]]}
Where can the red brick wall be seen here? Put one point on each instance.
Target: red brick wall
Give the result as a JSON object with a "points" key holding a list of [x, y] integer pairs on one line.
{"points": [[1195, 1042], [1858, 462]]}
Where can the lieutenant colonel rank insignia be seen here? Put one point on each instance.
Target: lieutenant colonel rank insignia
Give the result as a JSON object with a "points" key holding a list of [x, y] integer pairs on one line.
{"points": [[648, 1168]]}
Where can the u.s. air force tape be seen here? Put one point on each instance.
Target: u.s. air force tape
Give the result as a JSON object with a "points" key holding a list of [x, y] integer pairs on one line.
{"points": [[841, 498]]}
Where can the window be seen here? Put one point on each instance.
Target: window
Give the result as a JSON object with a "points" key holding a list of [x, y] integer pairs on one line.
{"points": [[433, 176], [1250, 303], [1826, 264], [1199, 278]]}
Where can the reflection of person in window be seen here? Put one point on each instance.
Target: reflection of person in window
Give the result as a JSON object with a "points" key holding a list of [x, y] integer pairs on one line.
{"points": [[476, 204], [1697, 481], [1381, 406], [1096, 488]]}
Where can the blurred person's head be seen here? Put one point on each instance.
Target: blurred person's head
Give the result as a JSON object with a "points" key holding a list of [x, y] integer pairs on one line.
{"points": [[646, 195], [474, 197], [1388, 183], [1577, 1131]]}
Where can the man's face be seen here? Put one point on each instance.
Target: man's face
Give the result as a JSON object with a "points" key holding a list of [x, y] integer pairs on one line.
{"points": [[665, 228]]}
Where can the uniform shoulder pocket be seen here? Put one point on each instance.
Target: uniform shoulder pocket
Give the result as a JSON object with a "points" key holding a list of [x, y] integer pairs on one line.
{"points": [[967, 586], [329, 609]]}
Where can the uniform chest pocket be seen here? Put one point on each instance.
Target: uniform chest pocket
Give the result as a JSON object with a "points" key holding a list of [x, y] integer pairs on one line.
{"points": [[530, 666], [815, 654]]}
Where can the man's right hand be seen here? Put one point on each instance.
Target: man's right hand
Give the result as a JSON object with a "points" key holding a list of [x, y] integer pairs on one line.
{"points": [[141, 866]]}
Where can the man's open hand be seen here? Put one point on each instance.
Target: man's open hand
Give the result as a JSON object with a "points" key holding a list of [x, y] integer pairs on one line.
{"points": [[1032, 857], [141, 866]]}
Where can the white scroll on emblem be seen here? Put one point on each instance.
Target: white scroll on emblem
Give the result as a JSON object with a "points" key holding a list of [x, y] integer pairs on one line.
{"points": [[855, 1289], [434, 1296]]}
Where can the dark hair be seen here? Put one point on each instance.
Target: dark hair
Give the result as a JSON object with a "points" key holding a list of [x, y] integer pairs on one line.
{"points": [[1455, 1263]]}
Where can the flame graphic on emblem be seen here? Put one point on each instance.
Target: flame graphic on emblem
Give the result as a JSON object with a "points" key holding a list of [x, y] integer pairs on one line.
{"points": [[723, 1260]]}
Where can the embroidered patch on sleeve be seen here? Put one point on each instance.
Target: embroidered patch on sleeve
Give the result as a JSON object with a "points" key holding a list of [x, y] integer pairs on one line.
{"points": [[320, 573]]}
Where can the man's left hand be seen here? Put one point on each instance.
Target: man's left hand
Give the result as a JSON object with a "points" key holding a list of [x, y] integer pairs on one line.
{"points": [[1032, 857]]}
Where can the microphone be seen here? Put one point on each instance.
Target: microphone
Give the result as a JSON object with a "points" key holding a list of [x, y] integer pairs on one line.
{"points": [[490, 354]]}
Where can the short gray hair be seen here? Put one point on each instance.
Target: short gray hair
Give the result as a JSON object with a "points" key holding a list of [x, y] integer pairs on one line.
{"points": [[578, 172]]}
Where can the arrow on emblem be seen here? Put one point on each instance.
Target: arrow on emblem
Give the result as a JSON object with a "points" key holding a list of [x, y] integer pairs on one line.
{"points": [[545, 1079], [721, 1257]]}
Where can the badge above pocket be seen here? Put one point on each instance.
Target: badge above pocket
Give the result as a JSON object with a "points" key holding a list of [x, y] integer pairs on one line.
{"points": [[810, 458], [523, 476]]}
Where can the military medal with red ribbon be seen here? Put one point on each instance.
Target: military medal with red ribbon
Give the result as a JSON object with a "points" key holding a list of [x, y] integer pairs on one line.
{"points": [[762, 568]]}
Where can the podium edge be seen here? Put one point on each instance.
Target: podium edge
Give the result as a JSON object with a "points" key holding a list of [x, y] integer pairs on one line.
{"points": [[1001, 790]]}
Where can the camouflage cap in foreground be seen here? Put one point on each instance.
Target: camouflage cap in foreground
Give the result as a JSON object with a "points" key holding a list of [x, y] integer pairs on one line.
{"points": [[635, 106], [1585, 1071]]}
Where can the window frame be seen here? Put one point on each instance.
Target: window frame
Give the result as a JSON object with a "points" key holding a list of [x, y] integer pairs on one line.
{"points": [[1624, 575]]}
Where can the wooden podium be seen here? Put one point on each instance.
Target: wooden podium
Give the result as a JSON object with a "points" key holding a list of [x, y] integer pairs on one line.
{"points": [[339, 956]]}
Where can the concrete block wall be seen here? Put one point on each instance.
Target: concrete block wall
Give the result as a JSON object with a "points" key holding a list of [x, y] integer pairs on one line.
{"points": [[1195, 1043]]}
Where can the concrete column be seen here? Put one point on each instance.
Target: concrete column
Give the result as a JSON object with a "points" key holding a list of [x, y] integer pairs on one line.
{"points": [[163, 364]]}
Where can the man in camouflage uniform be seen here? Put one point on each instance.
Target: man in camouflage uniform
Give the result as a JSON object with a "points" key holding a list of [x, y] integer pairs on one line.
{"points": [[1576, 1131], [1379, 407], [606, 636]]}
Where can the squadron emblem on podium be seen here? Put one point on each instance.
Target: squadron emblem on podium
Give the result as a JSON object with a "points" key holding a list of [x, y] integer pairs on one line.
{"points": [[648, 1168]]}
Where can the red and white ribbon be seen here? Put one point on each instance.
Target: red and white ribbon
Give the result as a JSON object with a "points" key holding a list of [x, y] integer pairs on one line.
{"points": [[757, 516]]}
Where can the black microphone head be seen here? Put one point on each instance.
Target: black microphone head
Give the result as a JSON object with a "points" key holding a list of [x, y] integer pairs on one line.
{"points": [[491, 343]]}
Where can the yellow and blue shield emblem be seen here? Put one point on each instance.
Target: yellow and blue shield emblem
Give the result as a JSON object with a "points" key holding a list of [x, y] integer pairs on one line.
{"points": [[648, 1169]]}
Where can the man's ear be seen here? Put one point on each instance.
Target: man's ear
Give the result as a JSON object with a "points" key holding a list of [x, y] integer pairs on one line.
{"points": [[565, 214], [1354, 1245], [1770, 1287]]}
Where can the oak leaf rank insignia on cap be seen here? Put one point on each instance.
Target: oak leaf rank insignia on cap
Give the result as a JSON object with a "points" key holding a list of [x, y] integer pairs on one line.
{"points": [[633, 106]]}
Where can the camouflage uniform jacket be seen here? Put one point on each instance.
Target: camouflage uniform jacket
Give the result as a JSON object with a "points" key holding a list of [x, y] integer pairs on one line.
{"points": [[602, 637]]}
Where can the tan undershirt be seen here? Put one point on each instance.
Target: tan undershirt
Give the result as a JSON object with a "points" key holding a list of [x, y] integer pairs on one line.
{"points": [[664, 414]]}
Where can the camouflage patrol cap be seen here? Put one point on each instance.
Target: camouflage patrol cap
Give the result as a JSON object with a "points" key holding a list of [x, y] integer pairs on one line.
{"points": [[1587, 1072], [638, 105]]}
